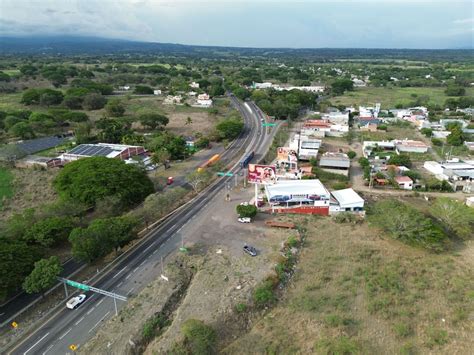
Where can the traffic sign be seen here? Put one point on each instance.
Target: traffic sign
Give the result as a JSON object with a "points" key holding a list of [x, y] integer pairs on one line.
{"points": [[15, 325], [268, 124], [78, 285], [220, 173], [73, 347]]}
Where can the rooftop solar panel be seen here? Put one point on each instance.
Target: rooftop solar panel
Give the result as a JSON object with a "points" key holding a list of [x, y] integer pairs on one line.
{"points": [[91, 150]]}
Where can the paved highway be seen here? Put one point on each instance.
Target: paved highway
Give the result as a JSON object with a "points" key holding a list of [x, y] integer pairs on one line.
{"points": [[142, 264]]}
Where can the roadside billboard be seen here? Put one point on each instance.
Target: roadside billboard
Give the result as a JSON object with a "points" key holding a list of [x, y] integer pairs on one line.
{"points": [[286, 154], [261, 174]]}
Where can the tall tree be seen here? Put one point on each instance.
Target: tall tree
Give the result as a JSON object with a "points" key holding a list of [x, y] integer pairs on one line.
{"points": [[456, 216], [43, 276]]}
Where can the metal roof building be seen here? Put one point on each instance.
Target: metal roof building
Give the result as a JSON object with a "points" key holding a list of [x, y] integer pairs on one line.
{"points": [[118, 151]]}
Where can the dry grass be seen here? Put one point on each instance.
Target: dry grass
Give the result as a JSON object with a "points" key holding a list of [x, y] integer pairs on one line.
{"points": [[356, 293], [32, 188]]}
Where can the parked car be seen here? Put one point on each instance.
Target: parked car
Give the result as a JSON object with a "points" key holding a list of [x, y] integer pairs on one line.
{"points": [[75, 302], [244, 203], [244, 219], [250, 250]]}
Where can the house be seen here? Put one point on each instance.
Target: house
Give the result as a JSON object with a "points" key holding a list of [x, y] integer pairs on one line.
{"points": [[157, 92], [298, 196], [265, 85], [346, 200], [203, 96], [308, 147], [369, 111], [368, 121], [370, 148], [194, 85], [171, 100], [459, 174], [116, 151], [336, 161], [358, 83], [410, 146], [404, 182]]}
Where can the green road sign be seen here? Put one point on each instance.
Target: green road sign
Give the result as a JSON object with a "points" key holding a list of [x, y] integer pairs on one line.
{"points": [[77, 285], [268, 124], [220, 173]]}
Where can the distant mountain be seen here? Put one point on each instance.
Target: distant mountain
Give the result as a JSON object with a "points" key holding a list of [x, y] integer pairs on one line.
{"points": [[79, 45]]}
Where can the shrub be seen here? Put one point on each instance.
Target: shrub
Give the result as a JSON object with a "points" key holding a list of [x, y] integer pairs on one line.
{"points": [[341, 346], [437, 337], [247, 211], [240, 307], [264, 294], [229, 128], [402, 330], [93, 101], [199, 338], [351, 154]]}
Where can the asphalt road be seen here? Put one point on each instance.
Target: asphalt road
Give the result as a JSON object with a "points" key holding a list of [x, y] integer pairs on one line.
{"points": [[143, 263]]}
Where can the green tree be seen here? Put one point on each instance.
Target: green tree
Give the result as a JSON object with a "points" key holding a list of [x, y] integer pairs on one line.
{"points": [[31, 97], [93, 101], [339, 86], [16, 262], [154, 120], [351, 154], [199, 338], [44, 275], [247, 211], [49, 231], [50, 97], [454, 90], [230, 128], [143, 90], [400, 160], [456, 137], [113, 130], [22, 130], [101, 237], [407, 224], [455, 216], [115, 108], [92, 179]]}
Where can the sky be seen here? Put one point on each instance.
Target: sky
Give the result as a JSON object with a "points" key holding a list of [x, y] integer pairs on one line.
{"points": [[256, 23]]}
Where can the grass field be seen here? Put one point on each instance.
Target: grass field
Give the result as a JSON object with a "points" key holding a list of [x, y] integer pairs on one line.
{"points": [[11, 101], [6, 186], [389, 97], [356, 293]]}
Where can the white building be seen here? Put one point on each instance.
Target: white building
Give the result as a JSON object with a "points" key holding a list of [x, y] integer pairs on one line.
{"points": [[299, 196], [156, 92], [410, 146], [404, 182], [346, 200], [194, 85], [308, 147], [171, 100]]}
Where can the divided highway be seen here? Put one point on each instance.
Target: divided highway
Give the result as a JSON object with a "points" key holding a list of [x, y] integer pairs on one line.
{"points": [[142, 264]]}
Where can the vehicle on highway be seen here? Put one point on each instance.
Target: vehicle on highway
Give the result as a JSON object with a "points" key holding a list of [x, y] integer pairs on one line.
{"points": [[250, 250], [75, 302], [244, 220]]}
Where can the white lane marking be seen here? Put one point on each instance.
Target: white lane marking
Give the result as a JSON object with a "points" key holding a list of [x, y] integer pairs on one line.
{"points": [[128, 276], [130, 291], [79, 321], [119, 272], [120, 284], [90, 310], [134, 270], [44, 336], [143, 262], [100, 320], [48, 349], [62, 336], [102, 300], [155, 252], [147, 248]]}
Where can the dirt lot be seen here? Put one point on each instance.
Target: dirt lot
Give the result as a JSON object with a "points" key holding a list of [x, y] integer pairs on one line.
{"points": [[356, 293], [222, 276], [32, 188]]}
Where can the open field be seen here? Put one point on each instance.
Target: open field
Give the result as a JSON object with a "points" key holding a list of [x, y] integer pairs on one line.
{"points": [[6, 187], [389, 97], [356, 293]]}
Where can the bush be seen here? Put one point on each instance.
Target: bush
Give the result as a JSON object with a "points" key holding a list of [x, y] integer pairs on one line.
{"points": [[247, 211], [264, 294], [338, 346], [199, 338], [240, 307], [49, 231], [93, 102], [143, 90], [115, 108], [351, 154]]}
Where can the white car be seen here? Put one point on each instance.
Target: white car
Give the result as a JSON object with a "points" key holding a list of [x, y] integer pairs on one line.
{"points": [[244, 220], [75, 302]]}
